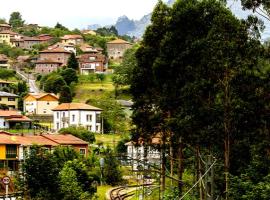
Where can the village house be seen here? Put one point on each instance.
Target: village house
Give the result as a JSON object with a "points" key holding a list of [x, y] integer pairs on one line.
{"points": [[116, 48], [86, 48], [77, 114], [89, 32], [9, 99], [51, 59], [4, 61], [5, 27], [6, 85], [141, 154], [92, 63], [45, 38], [5, 38], [39, 104], [68, 47], [10, 119], [29, 42], [14, 147], [72, 39]]}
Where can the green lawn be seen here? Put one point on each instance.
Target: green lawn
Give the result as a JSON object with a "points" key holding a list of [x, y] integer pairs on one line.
{"points": [[101, 191], [107, 139]]}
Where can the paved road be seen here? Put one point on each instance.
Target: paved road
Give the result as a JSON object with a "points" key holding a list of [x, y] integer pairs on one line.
{"points": [[32, 83]]}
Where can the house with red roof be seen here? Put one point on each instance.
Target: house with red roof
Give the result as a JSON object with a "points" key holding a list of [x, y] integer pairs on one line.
{"points": [[116, 48], [72, 39], [40, 103], [51, 59], [10, 118], [77, 114], [14, 147]]}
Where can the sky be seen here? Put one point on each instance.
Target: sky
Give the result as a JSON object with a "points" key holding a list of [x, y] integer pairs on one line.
{"points": [[78, 13]]}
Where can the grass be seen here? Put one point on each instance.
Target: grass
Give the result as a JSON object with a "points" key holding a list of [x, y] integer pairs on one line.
{"points": [[101, 191], [110, 140], [90, 88]]}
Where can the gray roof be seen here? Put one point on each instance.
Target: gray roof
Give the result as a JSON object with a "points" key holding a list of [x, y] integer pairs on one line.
{"points": [[6, 94]]}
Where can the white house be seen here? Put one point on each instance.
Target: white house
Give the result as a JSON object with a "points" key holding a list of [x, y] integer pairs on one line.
{"points": [[140, 154], [77, 114], [9, 119]]}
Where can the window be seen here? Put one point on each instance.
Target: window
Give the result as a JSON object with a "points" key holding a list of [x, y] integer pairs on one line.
{"points": [[57, 115], [4, 123], [64, 114], [97, 129], [11, 151], [48, 103], [98, 118], [88, 118], [73, 118], [11, 99], [57, 125], [89, 128], [82, 151], [0, 99]]}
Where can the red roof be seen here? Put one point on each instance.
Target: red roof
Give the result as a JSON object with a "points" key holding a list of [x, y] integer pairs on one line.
{"points": [[65, 139], [28, 140], [45, 61], [19, 119], [67, 37], [56, 50], [118, 41]]}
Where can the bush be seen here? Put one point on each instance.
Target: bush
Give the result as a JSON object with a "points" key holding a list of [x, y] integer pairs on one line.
{"points": [[79, 132]]}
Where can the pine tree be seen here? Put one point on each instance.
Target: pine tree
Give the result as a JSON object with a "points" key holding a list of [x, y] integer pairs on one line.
{"points": [[65, 95]]}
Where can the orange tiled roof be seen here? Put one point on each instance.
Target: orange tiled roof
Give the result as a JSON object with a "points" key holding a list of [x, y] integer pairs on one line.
{"points": [[19, 119], [65, 139], [8, 139], [9, 113], [40, 95], [28, 140], [67, 37], [118, 41], [75, 106], [55, 50]]}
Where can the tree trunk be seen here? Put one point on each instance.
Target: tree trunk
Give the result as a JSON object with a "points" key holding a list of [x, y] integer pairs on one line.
{"points": [[180, 165], [199, 172], [163, 163], [227, 129], [171, 158]]}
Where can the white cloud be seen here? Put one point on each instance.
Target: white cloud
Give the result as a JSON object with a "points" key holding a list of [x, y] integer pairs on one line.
{"points": [[78, 13]]}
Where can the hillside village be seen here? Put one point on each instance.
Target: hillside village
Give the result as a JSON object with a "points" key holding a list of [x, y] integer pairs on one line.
{"points": [[181, 112], [32, 113]]}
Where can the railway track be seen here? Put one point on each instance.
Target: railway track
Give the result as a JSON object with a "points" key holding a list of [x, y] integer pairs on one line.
{"points": [[115, 194], [119, 193]]}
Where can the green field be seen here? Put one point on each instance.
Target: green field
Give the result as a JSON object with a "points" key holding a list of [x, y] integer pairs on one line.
{"points": [[110, 140], [90, 88]]}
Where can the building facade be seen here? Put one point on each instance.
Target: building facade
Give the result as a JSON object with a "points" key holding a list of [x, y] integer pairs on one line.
{"points": [[77, 114], [9, 99], [92, 63], [40, 104], [72, 39], [116, 48]]}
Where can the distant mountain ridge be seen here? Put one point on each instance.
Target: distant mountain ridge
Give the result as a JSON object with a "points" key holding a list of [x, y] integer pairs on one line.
{"points": [[126, 26]]}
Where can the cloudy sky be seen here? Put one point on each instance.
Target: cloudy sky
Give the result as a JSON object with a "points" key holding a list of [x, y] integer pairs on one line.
{"points": [[78, 13]]}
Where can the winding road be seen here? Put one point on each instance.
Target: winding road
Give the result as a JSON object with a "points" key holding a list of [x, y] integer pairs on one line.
{"points": [[32, 82]]}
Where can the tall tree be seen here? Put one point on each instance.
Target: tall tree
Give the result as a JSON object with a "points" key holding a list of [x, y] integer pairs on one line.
{"points": [[73, 62], [65, 95], [16, 20], [184, 81]]}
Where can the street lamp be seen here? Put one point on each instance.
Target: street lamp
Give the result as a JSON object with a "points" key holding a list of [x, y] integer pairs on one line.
{"points": [[102, 163]]}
